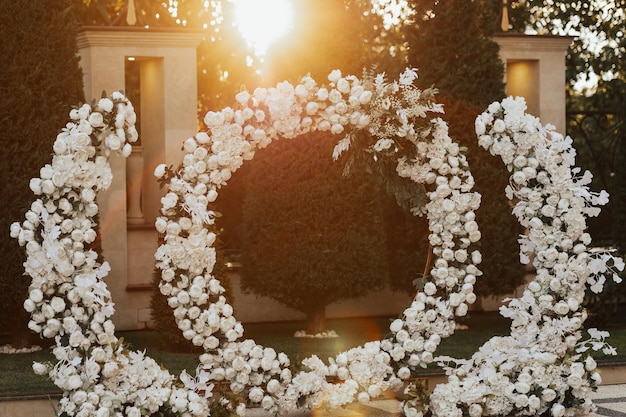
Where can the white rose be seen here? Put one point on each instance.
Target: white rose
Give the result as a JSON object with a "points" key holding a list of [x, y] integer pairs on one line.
{"points": [[519, 177], [256, 395], [402, 335], [561, 308], [548, 395], [573, 304], [243, 97], [57, 304], [404, 373], [522, 387], [322, 94], [557, 410], [534, 286], [479, 126], [431, 315], [430, 345], [301, 91], [520, 161], [461, 310], [395, 326], [475, 410], [74, 382], [336, 129], [40, 368], [470, 298], [312, 107], [590, 364], [343, 85], [213, 119], [427, 357], [169, 200], [429, 287], [548, 211], [477, 258], [334, 76], [36, 295], [334, 96], [267, 402], [577, 369], [398, 353], [47, 187], [448, 205], [499, 126], [363, 397], [485, 141], [160, 170], [211, 342], [105, 104]]}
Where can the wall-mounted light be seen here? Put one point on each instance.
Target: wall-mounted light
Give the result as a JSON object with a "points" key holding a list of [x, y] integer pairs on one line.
{"points": [[130, 58]]}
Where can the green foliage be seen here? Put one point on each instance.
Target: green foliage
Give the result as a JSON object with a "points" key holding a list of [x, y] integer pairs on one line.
{"points": [[586, 22], [310, 236], [38, 86], [408, 248], [450, 46]]}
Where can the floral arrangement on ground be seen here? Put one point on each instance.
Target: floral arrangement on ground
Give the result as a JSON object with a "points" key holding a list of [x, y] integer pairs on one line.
{"points": [[543, 367]]}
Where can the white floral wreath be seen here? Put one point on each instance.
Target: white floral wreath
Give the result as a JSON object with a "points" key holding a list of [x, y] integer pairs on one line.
{"points": [[69, 301]]}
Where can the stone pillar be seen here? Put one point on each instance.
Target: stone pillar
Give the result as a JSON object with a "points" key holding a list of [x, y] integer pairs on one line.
{"points": [[535, 69], [169, 116]]}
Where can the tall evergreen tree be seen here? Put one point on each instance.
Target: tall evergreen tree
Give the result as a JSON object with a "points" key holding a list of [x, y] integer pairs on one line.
{"points": [[40, 80], [451, 47]]}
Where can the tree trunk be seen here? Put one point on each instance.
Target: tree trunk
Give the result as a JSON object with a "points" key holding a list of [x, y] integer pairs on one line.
{"points": [[316, 320]]}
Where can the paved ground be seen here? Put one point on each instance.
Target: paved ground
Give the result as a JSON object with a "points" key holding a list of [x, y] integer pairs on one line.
{"points": [[610, 399]]}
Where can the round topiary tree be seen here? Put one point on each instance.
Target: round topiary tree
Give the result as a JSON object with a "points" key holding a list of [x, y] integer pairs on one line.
{"points": [[301, 244]]}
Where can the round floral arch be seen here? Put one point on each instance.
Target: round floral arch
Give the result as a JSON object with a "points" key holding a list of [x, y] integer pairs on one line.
{"points": [[540, 368]]}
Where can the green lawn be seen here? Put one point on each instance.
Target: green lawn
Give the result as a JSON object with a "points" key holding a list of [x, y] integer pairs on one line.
{"points": [[17, 378]]}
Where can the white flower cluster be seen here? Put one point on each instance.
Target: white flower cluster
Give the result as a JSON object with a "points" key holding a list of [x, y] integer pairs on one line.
{"points": [[539, 369], [386, 114], [68, 299]]}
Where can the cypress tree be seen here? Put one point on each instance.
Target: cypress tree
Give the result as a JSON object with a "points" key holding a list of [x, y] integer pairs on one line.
{"points": [[450, 45], [40, 79]]}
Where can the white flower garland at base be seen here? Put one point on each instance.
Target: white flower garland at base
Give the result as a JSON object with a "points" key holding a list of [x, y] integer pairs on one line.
{"points": [[538, 367]]}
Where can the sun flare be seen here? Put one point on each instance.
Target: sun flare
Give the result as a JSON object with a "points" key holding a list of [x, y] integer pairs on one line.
{"points": [[263, 22]]}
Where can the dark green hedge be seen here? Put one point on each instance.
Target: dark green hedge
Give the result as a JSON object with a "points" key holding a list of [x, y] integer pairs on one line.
{"points": [[40, 80]]}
